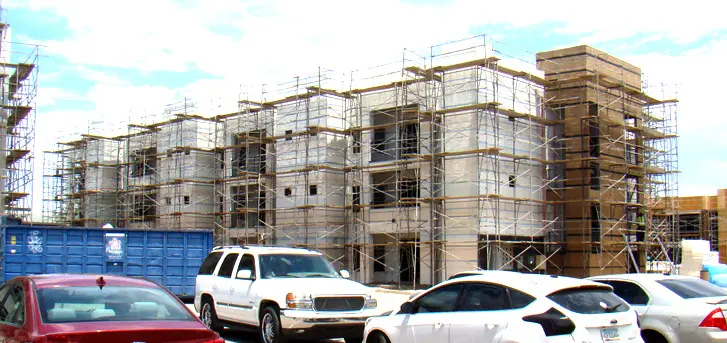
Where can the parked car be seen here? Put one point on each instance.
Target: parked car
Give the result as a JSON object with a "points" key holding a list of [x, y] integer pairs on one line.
{"points": [[673, 308], [281, 292], [87, 308], [499, 306]]}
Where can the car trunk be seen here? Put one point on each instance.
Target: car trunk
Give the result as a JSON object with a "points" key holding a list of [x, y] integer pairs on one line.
{"points": [[110, 332], [719, 301], [605, 316]]}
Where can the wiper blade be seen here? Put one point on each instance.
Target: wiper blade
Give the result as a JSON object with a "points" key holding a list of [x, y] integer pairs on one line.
{"points": [[318, 275], [613, 308]]}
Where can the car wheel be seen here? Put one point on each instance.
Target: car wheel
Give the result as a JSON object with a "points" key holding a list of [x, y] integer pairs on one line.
{"points": [[376, 337], [650, 336], [208, 315], [270, 330]]}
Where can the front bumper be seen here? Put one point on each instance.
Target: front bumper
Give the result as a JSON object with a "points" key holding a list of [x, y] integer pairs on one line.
{"points": [[321, 325]]}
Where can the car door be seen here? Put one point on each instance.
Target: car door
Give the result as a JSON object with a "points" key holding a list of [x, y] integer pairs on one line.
{"points": [[484, 312], [222, 286], [432, 313], [241, 297], [12, 314]]}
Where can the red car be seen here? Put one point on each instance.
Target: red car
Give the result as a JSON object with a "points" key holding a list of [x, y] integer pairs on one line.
{"points": [[71, 308]]}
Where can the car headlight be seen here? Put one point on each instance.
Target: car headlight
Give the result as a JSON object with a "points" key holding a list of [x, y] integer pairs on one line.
{"points": [[298, 302], [370, 302]]}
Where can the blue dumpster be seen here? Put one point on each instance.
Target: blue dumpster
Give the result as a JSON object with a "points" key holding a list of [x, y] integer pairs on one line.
{"points": [[171, 258]]}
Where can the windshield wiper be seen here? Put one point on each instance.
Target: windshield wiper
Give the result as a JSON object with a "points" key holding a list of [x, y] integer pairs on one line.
{"points": [[318, 275], [613, 308]]}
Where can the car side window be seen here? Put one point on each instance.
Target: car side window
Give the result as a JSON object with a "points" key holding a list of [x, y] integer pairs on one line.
{"points": [[484, 297], [443, 299], [247, 262], [629, 291], [209, 263], [519, 299], [228, 265], [12, 305]]}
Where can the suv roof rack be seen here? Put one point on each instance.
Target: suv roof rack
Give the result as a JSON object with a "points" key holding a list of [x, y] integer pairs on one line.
{"points": [[218, 247]]}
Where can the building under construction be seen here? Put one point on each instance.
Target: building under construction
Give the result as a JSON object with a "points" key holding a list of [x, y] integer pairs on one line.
{"points": [[18, 88], [407, 172]]}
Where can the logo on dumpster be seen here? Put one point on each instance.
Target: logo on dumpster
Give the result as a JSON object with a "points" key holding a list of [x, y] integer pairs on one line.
{"points": [[35, 242], [114, 246]]}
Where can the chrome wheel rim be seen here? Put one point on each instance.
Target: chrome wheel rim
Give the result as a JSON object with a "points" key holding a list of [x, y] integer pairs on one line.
{"points": [[207, 315], [268, 328]]}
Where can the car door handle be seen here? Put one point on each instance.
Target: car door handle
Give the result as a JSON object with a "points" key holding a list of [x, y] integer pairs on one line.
{"points": [[438, 325], [232, 289], [214, 286]]}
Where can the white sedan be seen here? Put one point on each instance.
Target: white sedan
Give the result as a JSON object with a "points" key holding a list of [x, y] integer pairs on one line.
{"points": [[499, 306], [672, 308]]}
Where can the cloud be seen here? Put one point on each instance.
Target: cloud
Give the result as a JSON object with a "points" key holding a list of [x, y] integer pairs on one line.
{"points": [[249, 48], [51, 96]]}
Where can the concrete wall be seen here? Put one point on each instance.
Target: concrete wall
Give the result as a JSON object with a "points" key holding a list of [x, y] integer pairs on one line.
{"points": [[190, 165]]}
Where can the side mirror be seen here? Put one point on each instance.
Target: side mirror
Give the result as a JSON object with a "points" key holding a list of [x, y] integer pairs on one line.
{"points": [[345, 274], [245, 274], [406, 308]]}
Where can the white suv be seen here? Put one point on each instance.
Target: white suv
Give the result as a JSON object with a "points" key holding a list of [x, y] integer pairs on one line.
{"points": [[282, 292]]}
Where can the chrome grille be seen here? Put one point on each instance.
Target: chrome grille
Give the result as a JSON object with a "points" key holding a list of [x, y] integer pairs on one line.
{"points": [[338, 303]]}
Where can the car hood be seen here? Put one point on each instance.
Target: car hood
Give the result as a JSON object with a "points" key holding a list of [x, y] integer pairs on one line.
{"points": [[315, 286]]}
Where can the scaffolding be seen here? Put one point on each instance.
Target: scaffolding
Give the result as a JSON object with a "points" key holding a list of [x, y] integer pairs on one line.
{"points": [[409, 171], [18, 89], [622, 160]]}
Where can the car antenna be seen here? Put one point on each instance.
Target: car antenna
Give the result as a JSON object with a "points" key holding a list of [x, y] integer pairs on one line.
{"points": [[100, 282]]}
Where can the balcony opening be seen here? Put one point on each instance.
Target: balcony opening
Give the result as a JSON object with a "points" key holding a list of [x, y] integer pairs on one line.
{"points": [[249, 154], [143, 162], [391, 189]]}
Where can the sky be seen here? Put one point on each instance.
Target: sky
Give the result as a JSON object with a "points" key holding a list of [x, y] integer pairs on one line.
{"points": [[104, 64]]}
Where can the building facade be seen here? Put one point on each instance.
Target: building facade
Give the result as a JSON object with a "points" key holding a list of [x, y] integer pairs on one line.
{"points": [[408, 176]]}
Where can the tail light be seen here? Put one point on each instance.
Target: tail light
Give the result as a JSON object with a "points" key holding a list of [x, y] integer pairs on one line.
{"points": [[216, 340], [61, 338], [715, 319]]}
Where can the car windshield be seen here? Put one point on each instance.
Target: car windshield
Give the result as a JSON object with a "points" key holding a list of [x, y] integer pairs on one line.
{"points": [[692, 288], [110, 303], [589, 300], [295, 265]]}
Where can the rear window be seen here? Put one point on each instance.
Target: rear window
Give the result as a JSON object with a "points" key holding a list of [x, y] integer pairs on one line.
{"points": [[209, 263], [692, 288], [589, 300], [93, 304]]}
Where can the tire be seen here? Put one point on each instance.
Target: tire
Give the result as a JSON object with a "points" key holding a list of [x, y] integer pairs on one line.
{"points": [[357, 339], [270, 329], [208, 315], [652, 337], [376, 337]]}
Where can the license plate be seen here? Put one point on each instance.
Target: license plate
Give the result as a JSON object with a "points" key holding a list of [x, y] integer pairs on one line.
{"points": [[610, 335]]}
